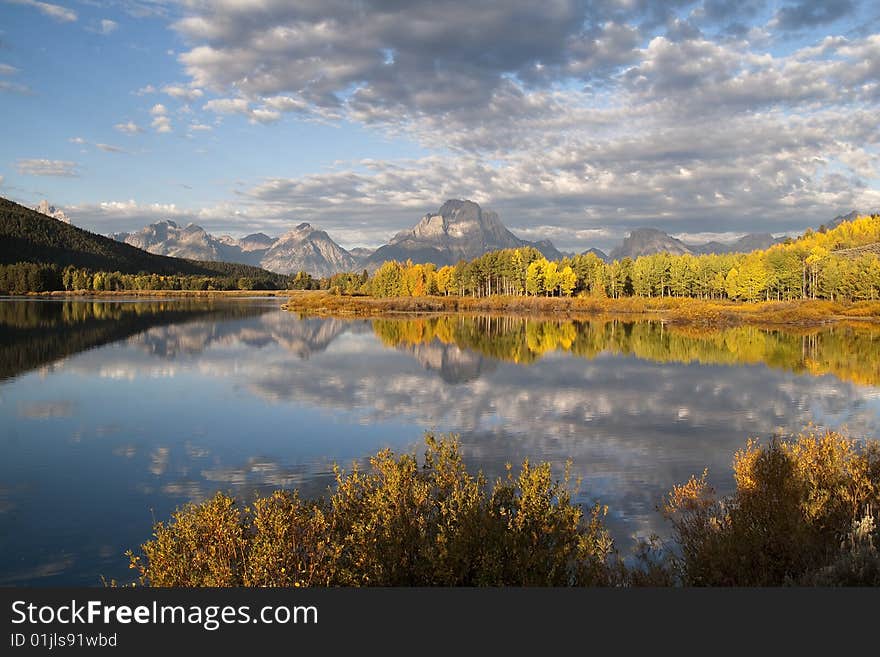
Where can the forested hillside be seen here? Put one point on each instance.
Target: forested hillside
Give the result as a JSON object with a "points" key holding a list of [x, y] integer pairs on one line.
{"points": [[27, 236]]}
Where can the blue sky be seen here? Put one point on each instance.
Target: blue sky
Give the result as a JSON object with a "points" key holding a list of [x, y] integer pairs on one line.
{"points": [[576, 121]]}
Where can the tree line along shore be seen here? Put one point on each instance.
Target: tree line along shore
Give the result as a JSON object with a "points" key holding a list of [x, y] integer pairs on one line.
{"points": [[667, 309], [821, 276]]}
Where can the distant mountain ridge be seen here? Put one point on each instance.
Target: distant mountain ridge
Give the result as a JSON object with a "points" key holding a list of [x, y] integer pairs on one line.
{"points": [[306, 249], [646, 241], [459, 230], [302, 249]]}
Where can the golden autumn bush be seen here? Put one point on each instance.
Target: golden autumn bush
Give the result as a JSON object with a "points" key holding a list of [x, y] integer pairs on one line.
{"points": [[399, 524], [802, 513], [789, 521]]}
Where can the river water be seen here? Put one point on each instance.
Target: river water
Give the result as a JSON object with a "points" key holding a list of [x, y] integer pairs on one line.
{"points": [[113, 413]]}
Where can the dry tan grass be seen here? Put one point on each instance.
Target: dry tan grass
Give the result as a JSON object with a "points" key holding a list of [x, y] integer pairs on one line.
{"points": [[671, 309]]}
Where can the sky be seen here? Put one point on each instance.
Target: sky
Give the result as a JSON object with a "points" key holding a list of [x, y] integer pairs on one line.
{"points": [[575, 120]]}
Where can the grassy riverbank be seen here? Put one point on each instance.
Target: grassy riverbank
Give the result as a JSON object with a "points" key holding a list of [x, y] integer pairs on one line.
{"points": [[671, 309]]}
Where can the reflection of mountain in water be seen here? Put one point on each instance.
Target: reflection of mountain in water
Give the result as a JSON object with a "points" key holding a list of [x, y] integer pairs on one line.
{"points": [[306, 336], [454, 364], [35, 333], [301, 337]]}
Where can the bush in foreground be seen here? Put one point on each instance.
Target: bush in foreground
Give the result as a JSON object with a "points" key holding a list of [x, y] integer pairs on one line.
{"points": [[801, 514], [399, 524]]}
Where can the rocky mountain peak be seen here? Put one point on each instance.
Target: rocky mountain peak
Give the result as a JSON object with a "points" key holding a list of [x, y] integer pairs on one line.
{"points": [[43, 207], [255, 242], [644, 241], [459, 230]]}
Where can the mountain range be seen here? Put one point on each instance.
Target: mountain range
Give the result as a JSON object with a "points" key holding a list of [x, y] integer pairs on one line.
{"points": [[459, 230], [302, 249], [645, 241]]}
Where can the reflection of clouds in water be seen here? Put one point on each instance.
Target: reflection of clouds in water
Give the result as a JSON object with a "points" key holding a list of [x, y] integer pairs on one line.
{"points": [[196, 452], [259, 471], [125, 451], [46, 409], [632, 427], [190, 490], [51, 568], [159, 460]]}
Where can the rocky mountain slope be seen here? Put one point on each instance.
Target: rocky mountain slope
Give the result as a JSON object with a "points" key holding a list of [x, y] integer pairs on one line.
{"points": [[190, 241], [459, 230], [645, 241], [307, 249], [598, 253], [302, 249], [43, 207], [745, 244]]}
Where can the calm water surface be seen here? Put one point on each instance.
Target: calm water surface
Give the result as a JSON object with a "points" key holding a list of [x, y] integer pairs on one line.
{"points": [[113, 413]]}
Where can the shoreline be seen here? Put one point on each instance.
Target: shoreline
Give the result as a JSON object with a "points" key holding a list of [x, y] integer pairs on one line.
{"points": [[677, 310], [674, 310], [151, 293]]}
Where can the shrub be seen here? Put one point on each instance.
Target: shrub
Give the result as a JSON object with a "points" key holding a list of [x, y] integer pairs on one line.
{"points": [[801, 514], [397, 524], [794, 502]]}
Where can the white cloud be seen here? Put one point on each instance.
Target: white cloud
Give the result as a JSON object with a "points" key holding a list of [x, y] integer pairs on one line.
{"points": [[227, 106], [182, 93], [286, 104], [268, 114], [12, 87], [129, 128], [41, 167], [574, 120], [56, 12], [262, 115], [148, 89], [161, 124], [109, 148], [107, 26], [77, 140]]}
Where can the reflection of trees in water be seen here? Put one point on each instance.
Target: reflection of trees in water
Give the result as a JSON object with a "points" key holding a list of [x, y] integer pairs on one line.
{"points": [[850, 352], [34, 333]]}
